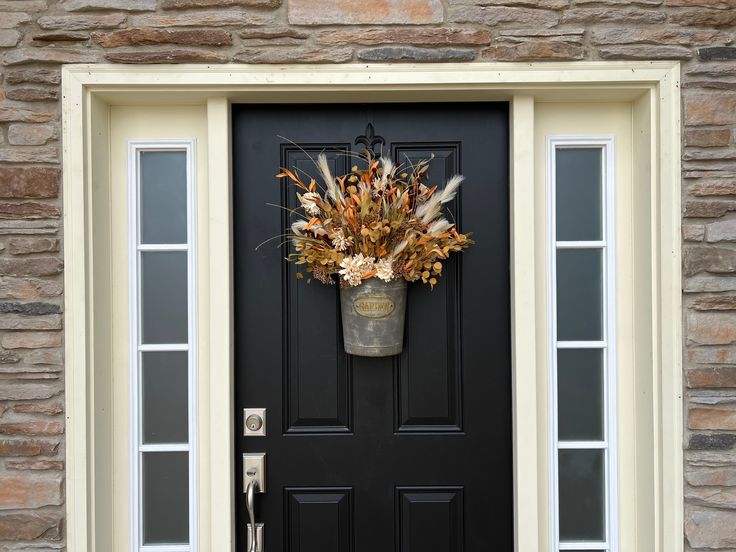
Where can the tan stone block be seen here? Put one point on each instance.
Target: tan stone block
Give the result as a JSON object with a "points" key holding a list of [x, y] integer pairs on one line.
{"points": [[293, 55], [700, 284], [713, 187], [21, 134], [693, 232], [29, 526], [711, 328], [28, 288], [710, 108], [29, 391], [12, 20], [604, 14], [37, 76], [541, 4], [711, 377], [166, 56], [23, 5], [117, 5], [669, 35], [28, 210], [144, 36], [31, 340], [644, 51], [708, 209], [710, 529], [47, 409], [29, 227], [22, 322], [432, 36], [708, 138], [534, 51], [500, 15], [41, 39], [81, 22], [712, 355], [714, 417], [20, 56], [715, 4], [28, 447], [21, 115], [273, 32], [44, 356], [722, 230], [32, 94], [26, 154], [185, 4], [27, 246], [35, 465], [724, 302], [711, 477], [25, 492], [703, 17], [355, 12], [713, 497], [40, 266], [9, 38], [716, 260], [32, 428], [204, 19]]}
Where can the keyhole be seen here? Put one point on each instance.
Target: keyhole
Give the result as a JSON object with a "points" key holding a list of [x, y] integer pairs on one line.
{"points": [[254, 422]]}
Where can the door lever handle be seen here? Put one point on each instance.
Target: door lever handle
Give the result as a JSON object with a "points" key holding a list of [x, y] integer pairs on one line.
{"points": [[254, 479], [251, 507]]}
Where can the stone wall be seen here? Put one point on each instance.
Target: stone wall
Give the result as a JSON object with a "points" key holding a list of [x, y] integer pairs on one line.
{"points": [[38, 35]]}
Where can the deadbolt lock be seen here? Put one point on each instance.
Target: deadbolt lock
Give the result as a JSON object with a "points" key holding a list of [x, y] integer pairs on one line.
{"points": [[254, 422]]}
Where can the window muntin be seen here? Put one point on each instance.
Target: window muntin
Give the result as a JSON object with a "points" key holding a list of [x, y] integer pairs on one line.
{"points": [[582, 358], [163, 359]]}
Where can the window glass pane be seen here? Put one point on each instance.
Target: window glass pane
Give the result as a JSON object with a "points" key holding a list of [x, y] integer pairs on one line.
{"points": [[165, 397], [582, 495], [163, 196], [580, 394], [579, 191], [164, 296], [579, 295], [165, 497]]}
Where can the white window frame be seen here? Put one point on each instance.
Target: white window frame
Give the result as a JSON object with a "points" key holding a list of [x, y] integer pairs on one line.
{"points": [[137, 448], [607, 246]]}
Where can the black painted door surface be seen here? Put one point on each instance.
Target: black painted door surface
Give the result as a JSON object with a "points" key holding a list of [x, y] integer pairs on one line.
{"points": [[409, 453]]}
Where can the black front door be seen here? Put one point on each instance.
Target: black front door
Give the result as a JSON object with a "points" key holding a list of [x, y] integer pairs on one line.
{"points": [[402, 454]]}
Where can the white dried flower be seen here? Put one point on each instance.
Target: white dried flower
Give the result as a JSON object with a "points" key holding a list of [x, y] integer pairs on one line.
{"points": [[340, 241], [353, 268], [298, 227], [309, 202], [384, 270]]}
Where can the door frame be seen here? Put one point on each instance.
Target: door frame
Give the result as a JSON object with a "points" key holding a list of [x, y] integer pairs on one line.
{"points": [[89, 90]]}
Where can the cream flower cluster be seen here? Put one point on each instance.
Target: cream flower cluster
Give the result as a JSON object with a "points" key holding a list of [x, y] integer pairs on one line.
{"points": [[354, 267]]}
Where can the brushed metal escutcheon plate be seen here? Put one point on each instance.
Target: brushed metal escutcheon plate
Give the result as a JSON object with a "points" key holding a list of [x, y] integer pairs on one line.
{"points": [[254, 422]]}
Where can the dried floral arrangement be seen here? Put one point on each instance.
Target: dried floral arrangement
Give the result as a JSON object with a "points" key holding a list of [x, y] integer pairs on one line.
{"points": [[382, 221]]}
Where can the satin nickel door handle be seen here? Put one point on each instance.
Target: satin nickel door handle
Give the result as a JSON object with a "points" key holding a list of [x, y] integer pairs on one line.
{"points": [[254, 479], [255, 539]]}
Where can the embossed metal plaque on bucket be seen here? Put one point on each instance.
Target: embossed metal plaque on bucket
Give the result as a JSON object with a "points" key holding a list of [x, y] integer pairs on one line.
{"points": [[373, 317], [374, 305]]}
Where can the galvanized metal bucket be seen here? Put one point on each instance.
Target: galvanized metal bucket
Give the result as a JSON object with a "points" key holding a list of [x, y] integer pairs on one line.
{"points": [[373, 317]]}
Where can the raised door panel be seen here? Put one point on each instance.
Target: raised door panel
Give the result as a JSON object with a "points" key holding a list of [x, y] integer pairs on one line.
{"points": [[317, 371], [429, 370]]}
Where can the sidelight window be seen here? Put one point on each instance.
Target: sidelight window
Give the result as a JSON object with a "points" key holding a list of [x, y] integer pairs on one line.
{"points": [[162, 356], [582, 356]]}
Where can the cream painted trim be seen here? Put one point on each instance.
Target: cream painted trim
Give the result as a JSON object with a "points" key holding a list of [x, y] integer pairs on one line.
{"points": [[88, 87], [524, 302]]}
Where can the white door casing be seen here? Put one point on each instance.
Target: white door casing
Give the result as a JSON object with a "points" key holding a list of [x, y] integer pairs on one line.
{"points": [[652, 519]]}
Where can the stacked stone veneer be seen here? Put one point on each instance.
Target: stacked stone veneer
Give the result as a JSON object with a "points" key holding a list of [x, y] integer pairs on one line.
{"points": [[36, 36]]}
